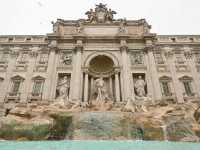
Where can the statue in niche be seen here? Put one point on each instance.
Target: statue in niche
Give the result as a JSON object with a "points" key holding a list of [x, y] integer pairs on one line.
{"points": [[63, 87], [136, 58], [140, 87], [146, 28], [66, 59], [110, 14], [99, 85], [55, 27], [91, 15]]}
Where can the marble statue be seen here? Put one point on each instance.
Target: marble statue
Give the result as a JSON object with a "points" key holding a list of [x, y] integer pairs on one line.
{"points": [[99, 85], [63, 87], [91, 15], [122, 27], [79, 27], [130, 105], [147, 101], [140, 87], [55, 27], [146, 28], [110, 14]]}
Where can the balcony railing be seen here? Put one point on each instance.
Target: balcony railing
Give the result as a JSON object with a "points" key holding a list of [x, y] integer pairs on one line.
{"points": [[190, 95], [12, 96], [34, 96]]}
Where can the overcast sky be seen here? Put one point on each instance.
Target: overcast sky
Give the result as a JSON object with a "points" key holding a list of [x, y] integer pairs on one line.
{"points": [[33, 17]]}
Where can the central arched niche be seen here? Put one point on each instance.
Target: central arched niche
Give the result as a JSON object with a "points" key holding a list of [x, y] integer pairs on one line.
{"points": [[101, 64]]}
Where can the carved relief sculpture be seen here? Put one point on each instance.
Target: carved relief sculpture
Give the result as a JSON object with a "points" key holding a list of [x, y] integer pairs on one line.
{"points": [[66, 59], [101, 14], [79, 26], [55, 27], [136, 58]]}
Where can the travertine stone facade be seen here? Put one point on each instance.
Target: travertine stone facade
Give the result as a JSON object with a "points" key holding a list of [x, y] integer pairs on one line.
{"points": [[119, 50]]}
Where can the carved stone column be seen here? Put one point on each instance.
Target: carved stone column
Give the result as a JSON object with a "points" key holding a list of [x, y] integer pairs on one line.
{"points": [[175, 81], [117, 90], [111, 85], [49, 75], [11, 64], [91, 87], [86, 87], [153, 71], [126, 74], [189, 54], [77, 73]]}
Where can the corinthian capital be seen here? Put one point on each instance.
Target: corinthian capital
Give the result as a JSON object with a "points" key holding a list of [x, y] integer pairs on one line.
{"points": [[148, 48], [124, 48], [78, 48]]}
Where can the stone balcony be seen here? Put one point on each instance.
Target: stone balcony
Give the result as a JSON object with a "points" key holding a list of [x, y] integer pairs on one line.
{"points": [[21, 66], [188, 96], [34, 97], [182, 66], [41, 66], [169, 96], [162, 66], [12, 97]]}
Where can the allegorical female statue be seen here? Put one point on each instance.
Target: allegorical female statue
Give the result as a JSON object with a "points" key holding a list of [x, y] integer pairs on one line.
{"points": [[140, 87], [63, 87]]}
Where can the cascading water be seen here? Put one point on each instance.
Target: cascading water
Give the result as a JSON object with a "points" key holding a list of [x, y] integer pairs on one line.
{"points": [[161, 124]]}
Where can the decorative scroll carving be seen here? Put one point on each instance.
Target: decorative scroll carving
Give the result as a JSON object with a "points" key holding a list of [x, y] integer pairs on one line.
{"points": [[188, 54], [101, 14], [14, 54], [33, 54], [168, 54]]}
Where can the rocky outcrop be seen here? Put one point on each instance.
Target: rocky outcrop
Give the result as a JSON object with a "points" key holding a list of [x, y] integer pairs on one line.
{"points": [[173, 123]]}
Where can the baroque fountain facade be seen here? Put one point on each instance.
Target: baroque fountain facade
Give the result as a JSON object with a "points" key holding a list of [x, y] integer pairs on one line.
{"points": [[100, 78]]}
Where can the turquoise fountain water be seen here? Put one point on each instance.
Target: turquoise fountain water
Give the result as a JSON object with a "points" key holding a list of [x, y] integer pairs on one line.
{"points": [[97, 145]]}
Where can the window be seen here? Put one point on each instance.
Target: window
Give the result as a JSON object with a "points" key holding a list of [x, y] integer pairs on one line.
{"points": [[37, 87], [16, 86], [43, 57], [165, 87], [187, 87], [173, 39], [197, 55], [159, 58], [191, 39], [28, 40], [24, 57], [10, 40], [5, 57], [178, 57]]}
